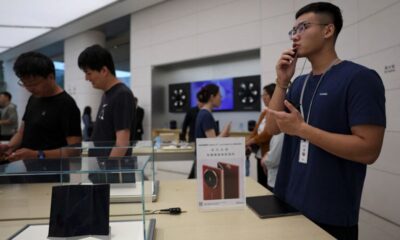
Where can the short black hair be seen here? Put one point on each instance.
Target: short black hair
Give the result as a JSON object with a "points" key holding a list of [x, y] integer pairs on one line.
{"points": [[269, 89], [206, 92], [87, 110], [34, 64], [326, 8], [7, 94], [96, 57]]}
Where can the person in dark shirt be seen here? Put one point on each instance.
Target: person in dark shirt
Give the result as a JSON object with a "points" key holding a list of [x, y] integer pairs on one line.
{"points": [[190, 121], [338, 129], [115, 120], [206, 126], [9, 116], [139, 121], [87, 123], [51, 119]]}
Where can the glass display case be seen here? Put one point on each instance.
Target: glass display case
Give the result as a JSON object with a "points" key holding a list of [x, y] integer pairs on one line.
{"points": [[25, 192]]}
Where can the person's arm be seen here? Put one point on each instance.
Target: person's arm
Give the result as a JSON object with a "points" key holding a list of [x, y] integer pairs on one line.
{"points": [[251, 138], [12, 117], [6, 122], [363, 145], [121, 143], [14, 143], [226, 130], [285, 69], [263, 137], [210, 133], [273, 156], [185, 125], [26, 153]]}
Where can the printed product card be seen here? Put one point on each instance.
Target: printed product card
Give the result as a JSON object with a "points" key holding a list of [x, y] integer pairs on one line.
{"points": [[220, 172]]}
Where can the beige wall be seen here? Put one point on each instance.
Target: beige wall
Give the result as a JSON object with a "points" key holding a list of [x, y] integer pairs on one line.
{"points": [[180, 30]]}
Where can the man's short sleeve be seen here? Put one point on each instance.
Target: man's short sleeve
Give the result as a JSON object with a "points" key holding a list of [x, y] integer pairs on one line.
{"points": [[123, 111], [366, 95], [73, 124]]}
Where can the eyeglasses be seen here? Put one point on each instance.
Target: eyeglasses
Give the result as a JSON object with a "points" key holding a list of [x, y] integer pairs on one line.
{"points": [[21, 83], [30, 84], [299, 29]]}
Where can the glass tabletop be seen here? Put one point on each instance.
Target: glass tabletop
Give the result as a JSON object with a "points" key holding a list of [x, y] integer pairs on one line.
{"points": [[76, 165]]}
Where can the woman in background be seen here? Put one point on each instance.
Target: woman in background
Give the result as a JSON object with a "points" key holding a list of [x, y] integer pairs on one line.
{"points": [[270, 161], [261, 137], [206, 126]]}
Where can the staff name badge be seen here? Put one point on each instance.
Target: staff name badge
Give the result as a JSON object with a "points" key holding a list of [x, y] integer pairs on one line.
{"points": [[303, 154]]}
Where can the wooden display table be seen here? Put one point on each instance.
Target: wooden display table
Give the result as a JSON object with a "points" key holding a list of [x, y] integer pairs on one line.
{"points": [[194, 224]]}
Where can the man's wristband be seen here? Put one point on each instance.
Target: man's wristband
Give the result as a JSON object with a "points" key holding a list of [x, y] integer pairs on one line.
{"points": [[282, 86]]}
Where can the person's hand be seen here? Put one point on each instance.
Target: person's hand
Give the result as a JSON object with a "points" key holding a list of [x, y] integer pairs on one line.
{"points": [[5, 151], [290, 123], [249, 142], [226, 130], [4, 148], [22, 153], [286, 67], [265, 170]]}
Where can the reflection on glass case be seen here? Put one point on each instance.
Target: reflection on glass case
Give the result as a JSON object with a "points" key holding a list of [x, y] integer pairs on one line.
{"points": [[130, 176]]}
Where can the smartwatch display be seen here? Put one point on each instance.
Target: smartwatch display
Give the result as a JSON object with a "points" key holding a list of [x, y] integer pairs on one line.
{"points": [[41, 154]]}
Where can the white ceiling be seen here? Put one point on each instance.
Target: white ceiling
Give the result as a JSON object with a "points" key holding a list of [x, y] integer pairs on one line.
{"points": [[22, 20]]}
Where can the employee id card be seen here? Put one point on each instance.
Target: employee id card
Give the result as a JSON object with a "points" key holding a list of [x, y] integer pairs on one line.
{"points": [[303, 154]]}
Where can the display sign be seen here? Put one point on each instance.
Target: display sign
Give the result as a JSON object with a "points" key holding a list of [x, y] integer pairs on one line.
{"points": [[220, 172]]}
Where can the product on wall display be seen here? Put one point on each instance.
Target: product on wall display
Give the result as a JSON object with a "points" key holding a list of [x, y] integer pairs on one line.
{"points": [[179, 97], [221, 172], [237, 94]]}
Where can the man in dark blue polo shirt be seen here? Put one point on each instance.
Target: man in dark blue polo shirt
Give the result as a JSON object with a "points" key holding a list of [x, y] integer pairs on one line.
{"points": [[334, 123]]}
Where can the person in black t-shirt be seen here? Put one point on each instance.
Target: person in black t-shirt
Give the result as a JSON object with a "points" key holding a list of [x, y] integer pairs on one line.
{"points": [[115, 120], [139, 121], [190, 121], [51, 119]]}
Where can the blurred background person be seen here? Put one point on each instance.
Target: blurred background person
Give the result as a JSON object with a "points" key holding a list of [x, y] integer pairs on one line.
{"points": [[9, 117], [190, 121], [87, 123], [138, 135], [258, 141], [270, 161], [206, 127]]}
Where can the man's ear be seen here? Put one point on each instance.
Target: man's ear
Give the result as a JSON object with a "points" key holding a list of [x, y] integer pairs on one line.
{"points": [[50, 77], [329, 31], [104, 71]]}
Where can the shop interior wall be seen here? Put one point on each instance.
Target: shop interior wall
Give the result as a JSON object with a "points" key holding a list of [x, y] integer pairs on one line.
{"points": [[231, 65]]}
